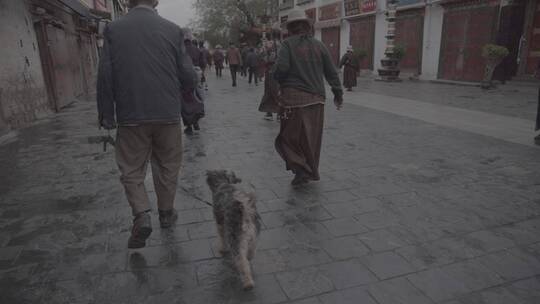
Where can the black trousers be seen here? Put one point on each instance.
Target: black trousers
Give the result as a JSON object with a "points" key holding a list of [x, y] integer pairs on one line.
{"points": [[253, 74], [234, 70]]}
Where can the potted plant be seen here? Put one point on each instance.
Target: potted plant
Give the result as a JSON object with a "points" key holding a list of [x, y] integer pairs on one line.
{"points": [[359, 55], [399, 52], [494, 55]]}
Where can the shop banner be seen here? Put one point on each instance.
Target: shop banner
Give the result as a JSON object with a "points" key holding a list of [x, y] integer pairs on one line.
{"points": [[329, 12], [357, 7]]}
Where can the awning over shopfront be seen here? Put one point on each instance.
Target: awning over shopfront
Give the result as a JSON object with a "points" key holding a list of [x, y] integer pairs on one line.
{"points": [[78, 7]]}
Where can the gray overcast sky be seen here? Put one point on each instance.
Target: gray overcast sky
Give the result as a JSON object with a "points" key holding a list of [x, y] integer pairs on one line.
{"points": [[177, 11]]}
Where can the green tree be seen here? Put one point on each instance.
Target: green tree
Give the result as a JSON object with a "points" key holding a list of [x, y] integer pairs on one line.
{"points": [[221, 21]]}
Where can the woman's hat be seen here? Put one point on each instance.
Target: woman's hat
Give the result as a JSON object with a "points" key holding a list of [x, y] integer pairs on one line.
{"points": [[218, 46], [350, 48]]}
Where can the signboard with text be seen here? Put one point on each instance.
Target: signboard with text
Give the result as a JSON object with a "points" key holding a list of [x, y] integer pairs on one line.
{"points": [[312, 14], [357, 7], [101, 5], [329, 12]]}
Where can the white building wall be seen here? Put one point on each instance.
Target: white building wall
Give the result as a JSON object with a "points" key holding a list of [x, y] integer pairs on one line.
{"points": [[381, 28], [433, 23], [345, 37], [23, 96]]}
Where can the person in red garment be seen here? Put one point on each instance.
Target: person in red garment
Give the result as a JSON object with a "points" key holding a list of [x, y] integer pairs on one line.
{"points": [[302, 65]]}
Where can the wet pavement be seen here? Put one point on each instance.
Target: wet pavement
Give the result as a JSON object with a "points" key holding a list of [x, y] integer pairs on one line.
{"points": [[514, 99], [406, 212]]}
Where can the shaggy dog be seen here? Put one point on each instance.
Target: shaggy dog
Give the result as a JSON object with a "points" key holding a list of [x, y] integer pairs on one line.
{"points": [[238, 222]]}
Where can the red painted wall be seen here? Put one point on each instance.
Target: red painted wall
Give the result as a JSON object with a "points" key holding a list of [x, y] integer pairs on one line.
{"points": [[466, 29], [330, 37], [362, 36], [534, 46], [409, 34]]}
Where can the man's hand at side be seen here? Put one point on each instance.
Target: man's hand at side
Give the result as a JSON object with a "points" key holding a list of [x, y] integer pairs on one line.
{"points": [[108, 124]]}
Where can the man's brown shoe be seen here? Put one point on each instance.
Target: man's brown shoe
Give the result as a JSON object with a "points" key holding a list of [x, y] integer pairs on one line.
{"points": [[142, 228], [167, 218]]}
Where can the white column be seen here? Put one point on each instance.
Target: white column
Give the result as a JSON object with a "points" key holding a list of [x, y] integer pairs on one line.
{"points": [[433, 23], [344, 37], [318, 34], [381, 29]]}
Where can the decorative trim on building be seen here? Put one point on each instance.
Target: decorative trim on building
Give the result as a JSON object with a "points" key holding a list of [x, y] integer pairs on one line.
{"points": [[330, 11], [468, 4], [328, 23], [359, 16], [286, 4], [304, 2]]}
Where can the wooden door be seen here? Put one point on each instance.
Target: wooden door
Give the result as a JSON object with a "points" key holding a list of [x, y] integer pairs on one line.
{"points": [[362, 37], [409, 34], [510, 31], [465, 32], [330, 37]]}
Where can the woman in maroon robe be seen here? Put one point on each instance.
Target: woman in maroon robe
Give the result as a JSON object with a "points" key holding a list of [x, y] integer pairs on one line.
{"points": [[351, 69]]}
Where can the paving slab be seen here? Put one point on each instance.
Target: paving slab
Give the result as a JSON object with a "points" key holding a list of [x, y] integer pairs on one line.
{"points": [[411, 208]]}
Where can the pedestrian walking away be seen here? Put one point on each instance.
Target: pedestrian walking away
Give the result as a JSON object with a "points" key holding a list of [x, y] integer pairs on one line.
{"points": [[244, 52], [303, 63], [204, 62], [252, 63], [193, 106], [146, 108], [537, 127], [218, 58], [192, 50], [270, 101], [235, 61], [350, 67], [263, 58]]}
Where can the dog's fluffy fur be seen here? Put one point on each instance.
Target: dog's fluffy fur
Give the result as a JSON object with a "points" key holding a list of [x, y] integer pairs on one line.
{"points": [[238, 222]]}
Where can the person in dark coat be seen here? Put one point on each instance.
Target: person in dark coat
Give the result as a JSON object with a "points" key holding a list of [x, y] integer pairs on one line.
{"points": [[218, 59], [143, 67], [252, 63], [350, 71], [244, 52], [192, 106], [270, 100], [537, 138], [204, 62], [234, 58], [193, 51], [302, 65]]}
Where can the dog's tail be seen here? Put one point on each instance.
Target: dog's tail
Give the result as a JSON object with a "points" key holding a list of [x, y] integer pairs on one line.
{"points": [[244, 198]]}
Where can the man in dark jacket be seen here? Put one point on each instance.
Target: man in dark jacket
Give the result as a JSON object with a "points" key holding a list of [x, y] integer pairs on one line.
{"points": [[252, 63], [193, 52], [244, 52], [142, 69]]}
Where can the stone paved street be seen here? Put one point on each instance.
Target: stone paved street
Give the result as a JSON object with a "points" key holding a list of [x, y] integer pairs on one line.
{"points": [[406, 212]]}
